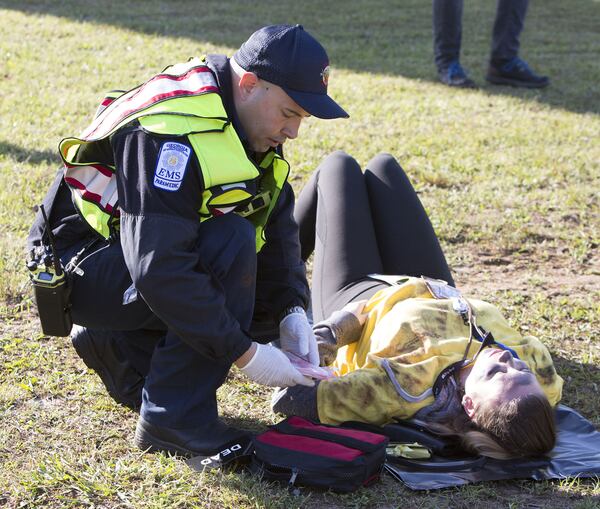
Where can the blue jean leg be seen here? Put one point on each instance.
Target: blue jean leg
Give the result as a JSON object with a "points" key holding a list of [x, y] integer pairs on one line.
{"points": [[447, 31], [508, 25]]}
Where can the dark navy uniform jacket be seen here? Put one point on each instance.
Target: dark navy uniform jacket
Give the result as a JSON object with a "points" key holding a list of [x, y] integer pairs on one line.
{"points": [[158, 236]]}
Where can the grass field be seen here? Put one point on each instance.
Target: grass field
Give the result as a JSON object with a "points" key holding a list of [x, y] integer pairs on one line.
{"points": [[510, 178]]}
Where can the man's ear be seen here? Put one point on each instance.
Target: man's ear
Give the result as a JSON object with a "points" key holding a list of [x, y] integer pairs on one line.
{"points": [[248, 82], [468, 405]]}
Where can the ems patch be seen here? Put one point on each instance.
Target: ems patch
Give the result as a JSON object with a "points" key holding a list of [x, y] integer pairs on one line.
{"points": [[171, 165]]}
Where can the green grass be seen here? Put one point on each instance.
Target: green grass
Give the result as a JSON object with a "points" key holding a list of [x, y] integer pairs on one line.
{"points": [[511, 180]]}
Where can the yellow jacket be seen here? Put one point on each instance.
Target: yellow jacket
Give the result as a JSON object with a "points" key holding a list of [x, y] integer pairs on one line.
{"points": [[419, 336]]}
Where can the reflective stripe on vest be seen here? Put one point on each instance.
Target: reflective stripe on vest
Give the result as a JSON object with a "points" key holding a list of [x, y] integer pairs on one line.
{"points": [[181, 101]]}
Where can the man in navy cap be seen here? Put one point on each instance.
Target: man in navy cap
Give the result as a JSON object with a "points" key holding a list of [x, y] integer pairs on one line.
{"points": [[173, 216]]}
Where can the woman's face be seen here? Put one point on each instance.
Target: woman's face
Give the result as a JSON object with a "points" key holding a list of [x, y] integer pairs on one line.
{"points": [[497, 377]]}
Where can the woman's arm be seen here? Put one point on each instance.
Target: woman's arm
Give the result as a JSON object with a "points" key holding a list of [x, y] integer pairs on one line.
{"points": [[341, 328]]}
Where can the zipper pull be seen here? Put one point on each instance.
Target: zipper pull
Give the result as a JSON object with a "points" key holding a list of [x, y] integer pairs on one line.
{"points": [[291, 488]]}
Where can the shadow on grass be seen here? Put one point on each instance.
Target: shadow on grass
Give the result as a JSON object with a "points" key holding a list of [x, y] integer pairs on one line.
{"points": [[251, 424], [580, 390], [379, 36], [23, 155]]}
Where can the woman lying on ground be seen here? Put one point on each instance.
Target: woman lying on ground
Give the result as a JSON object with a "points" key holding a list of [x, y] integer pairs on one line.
{"points": [[413, 347]]}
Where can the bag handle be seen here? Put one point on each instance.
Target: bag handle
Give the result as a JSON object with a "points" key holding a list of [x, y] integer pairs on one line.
{"points": [[354, 443], [405, 431]]}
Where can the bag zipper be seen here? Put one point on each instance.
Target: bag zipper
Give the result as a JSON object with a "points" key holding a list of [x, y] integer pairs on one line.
{"points": [[296, 471], [327, 480], [292, 480]]}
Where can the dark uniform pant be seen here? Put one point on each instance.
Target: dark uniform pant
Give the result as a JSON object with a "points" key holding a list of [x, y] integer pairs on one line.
{"points": [[447, 30], [180, 383]]}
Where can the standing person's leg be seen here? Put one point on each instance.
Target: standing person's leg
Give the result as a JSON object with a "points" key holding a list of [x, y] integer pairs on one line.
{"points": [[506, 68], [447, 31], [332, 212], [406, 239], [447, 35], [508, 25]]}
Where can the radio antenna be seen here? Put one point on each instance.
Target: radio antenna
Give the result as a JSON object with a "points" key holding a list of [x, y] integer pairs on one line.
{"points": [[55, 260]]}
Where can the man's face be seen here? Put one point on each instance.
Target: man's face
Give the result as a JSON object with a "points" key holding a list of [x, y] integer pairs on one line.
{"points": [[268, 115], [497, 377]]}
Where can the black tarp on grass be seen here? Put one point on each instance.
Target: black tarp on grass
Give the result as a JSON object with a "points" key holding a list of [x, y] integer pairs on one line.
{"points": [[577, 454]]}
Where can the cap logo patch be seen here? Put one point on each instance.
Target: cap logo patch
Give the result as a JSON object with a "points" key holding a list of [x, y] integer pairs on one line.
{"points": [[325, 75]]}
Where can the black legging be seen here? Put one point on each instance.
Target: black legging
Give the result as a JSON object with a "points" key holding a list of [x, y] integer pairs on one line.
{"points": [[359, 224]]}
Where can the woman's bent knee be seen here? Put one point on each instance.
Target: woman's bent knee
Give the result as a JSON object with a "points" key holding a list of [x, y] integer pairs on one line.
{"points": [[340, 161], [384, 162]]}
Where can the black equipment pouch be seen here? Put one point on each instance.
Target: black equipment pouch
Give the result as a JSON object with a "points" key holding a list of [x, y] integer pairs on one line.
{"points": [[51, 287], [51, 292]]}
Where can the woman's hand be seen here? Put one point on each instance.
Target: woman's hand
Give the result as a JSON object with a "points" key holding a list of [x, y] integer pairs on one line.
{"points": [[356, 308]]}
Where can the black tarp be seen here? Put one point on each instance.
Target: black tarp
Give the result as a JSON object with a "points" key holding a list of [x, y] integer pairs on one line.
{"points": [[577, 454]]}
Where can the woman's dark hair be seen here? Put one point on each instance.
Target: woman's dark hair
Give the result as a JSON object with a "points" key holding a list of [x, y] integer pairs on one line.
{"points": [[523, 426]]}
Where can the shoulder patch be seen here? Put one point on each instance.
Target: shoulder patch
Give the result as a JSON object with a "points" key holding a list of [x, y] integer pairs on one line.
{"points": [[171, 165]]}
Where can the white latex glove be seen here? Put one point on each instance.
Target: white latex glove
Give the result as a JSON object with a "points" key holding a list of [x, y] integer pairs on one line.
{"points": [[270, 366], [296, 336]]}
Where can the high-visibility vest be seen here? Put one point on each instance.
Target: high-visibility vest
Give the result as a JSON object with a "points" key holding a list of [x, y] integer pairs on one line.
{"points": [[181, 101]]}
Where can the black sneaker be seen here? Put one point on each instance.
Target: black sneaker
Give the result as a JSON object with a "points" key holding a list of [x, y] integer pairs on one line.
{"points": [[455, 76], [210, 445], [99, 352], [516, 73]]}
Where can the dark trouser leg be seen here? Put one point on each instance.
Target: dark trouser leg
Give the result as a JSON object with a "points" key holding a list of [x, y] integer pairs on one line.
{"points": [[181, 384], [447, 31], [341, 231], [180, 390], [508, 25], [405, 236], [97, 294], [114, 339], [120, 358]]}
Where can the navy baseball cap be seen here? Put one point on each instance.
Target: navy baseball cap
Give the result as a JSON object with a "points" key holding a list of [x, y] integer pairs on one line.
{"points": [[289, 57]]}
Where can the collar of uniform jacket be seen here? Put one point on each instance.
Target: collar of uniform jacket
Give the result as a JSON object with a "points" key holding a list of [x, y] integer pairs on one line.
{"points": [[219, 65]]}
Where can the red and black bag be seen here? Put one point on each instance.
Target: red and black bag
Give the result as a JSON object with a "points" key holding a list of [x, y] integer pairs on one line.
{"points": [[305, 453]]}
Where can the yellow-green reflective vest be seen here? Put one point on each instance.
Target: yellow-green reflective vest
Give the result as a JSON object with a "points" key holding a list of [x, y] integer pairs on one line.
{"points": [[181, 101]]}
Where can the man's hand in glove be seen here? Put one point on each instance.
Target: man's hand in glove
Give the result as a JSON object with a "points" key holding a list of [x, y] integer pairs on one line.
{"points": [[268, 365], [296, 336]]}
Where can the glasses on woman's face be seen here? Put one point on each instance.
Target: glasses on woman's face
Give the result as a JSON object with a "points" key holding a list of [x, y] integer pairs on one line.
{"points": [[488, 340]]}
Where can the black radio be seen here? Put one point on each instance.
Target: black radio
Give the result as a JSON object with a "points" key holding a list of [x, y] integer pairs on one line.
{"points": [[50, 286]]}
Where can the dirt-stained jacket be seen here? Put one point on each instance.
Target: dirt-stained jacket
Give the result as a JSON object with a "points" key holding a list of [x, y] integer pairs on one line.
{"points": [[417, 336]]}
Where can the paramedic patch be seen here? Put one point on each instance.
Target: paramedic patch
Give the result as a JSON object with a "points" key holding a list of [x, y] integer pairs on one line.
{"points": [[171, 165]]}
